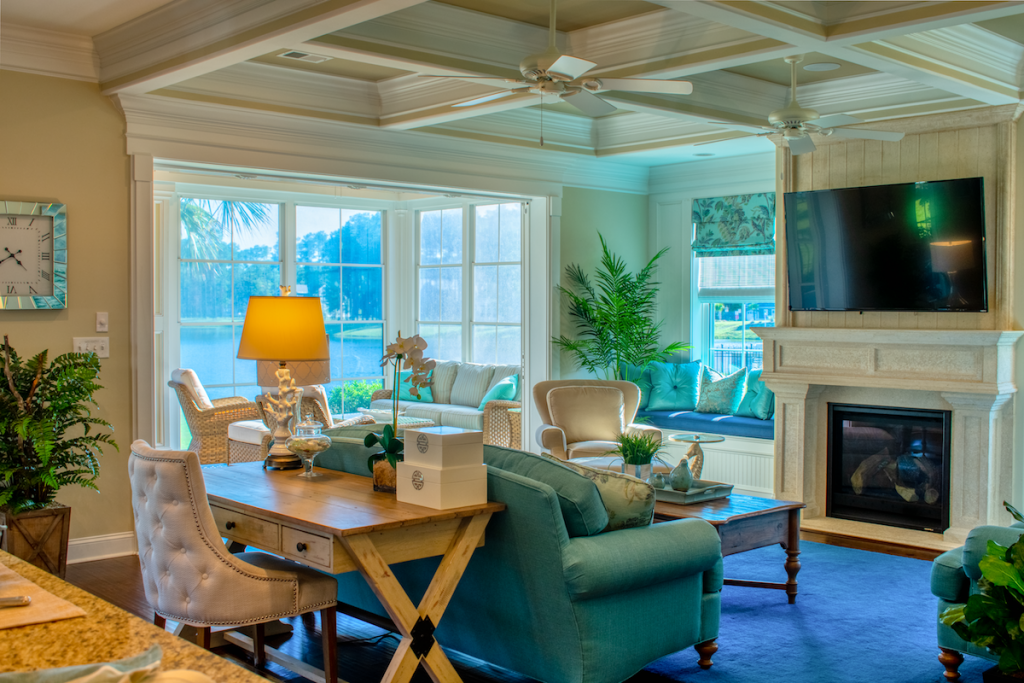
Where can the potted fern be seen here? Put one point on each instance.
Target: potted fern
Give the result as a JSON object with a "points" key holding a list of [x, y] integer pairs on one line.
{"points": [[637, 450], [48, 440]]}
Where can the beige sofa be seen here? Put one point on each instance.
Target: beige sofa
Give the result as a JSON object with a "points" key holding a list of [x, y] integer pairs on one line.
{"points": [[457, 390]]}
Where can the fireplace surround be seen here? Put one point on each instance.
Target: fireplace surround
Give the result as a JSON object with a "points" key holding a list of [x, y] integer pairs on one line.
{"points": [[967, 372]]}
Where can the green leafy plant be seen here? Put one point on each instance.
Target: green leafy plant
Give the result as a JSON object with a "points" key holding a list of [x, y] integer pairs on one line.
{"points": [[614, 317], [407, 352], [993, 617], [637, 448], [39, 403]]}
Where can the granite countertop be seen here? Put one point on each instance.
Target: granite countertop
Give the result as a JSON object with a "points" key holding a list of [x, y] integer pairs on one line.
{"points": [[106, 633]]}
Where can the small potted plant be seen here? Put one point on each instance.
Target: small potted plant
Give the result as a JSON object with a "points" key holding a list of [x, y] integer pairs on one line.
{"points": [[405, 353], [40, 403], [992, 617], [637, 451]]}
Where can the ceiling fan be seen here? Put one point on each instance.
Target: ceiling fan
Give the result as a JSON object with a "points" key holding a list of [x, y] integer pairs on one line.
{"points": [[795, 123], [550, 73]]}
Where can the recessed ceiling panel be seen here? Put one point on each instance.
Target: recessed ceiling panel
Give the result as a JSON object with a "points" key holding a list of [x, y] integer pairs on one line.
{"points": [[333, 67], [832, 12], [572, 14], [777, 71], [1011, 27], [79, 17]]}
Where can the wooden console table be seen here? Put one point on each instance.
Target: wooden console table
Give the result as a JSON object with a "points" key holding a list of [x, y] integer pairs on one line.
{"points": [[337, 523]]}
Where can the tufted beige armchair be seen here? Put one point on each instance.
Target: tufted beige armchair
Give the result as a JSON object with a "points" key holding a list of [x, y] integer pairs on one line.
{"points": [[190, 576], [583, 418]]}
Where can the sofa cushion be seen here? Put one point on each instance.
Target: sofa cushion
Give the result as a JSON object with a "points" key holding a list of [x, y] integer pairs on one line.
{"points": [[631, 373], [628, 501], [589, 449], [674, 386], [722, 396], [578, 497], [948, 580], [404, 389], [471, 384], [587, 413], [503, 371], [505, 389], [444, 375], [428, 411], [758, 401], [726, 425], [462, 416], [248, 431], [193, 387]]}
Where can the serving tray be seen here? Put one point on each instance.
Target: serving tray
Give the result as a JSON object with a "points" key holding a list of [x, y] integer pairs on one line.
{"points": [[701, 491]]}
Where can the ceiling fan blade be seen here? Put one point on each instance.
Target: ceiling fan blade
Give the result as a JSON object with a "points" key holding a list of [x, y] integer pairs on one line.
{"points": [[864, 134], [836, 120], [485, 98], [801, 145], [569, 68], [588, 103], [647, 85]]}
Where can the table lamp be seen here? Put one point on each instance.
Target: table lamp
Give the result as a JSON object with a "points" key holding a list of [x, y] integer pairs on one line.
{"points": [[288, 330], [949, 258]]}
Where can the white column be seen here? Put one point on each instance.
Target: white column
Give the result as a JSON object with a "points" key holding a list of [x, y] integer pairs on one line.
{"points": [[981, 463], [796, 443], [142, 301]]}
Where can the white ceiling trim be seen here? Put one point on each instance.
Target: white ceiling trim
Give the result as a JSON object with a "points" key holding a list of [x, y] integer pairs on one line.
{"points": [[48, 53]]}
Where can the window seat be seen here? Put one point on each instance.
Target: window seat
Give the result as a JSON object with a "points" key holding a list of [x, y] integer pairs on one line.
{"points": [[708, 423]]}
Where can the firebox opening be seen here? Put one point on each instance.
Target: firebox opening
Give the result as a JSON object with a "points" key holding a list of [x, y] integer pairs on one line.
{"points": [[889, 466]]}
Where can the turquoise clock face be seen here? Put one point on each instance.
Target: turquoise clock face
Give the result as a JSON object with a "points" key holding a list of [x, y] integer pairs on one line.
{"points": [[33, 255]]}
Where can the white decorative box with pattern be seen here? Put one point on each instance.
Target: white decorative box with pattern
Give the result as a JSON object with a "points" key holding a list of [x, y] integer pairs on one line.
{"points": [[444, 447], [441, 488]]}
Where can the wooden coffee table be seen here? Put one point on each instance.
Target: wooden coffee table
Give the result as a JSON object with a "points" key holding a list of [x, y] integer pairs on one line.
{"points": [[745, 523]]}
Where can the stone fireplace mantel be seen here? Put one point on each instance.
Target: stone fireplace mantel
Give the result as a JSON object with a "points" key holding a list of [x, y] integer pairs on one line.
{"points": [[972, 372]]}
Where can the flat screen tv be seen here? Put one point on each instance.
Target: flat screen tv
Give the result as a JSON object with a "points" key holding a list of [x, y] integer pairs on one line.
{"points": [[906, 247]]}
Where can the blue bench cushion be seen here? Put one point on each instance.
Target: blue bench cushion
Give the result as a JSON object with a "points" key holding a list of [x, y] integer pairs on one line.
{"points": [[711, 423]]}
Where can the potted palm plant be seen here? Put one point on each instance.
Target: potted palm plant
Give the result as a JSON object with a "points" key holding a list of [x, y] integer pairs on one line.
{"points": [[48, 440], [637, 451]]}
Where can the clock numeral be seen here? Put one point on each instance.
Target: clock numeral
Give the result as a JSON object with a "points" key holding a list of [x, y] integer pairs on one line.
{"points": [[12, 221], [45, 256], [10, 289], [46, 275], [45, 237], [31, 291]]}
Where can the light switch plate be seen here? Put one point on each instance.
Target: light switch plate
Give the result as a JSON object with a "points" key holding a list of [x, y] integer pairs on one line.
{"points": [[102, 321], [100, 345]]}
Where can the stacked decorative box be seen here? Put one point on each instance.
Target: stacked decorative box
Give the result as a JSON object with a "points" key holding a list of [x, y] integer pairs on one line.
{"points": [[443, 468]]}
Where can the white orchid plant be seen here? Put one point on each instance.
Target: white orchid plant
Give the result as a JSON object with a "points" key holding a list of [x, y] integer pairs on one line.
{"points": [[405, 354]]}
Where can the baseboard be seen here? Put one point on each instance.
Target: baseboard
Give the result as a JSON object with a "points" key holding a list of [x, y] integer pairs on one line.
{"points": [[92, 548]]}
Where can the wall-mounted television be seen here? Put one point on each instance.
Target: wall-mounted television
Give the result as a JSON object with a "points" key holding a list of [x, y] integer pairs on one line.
{"points": [[906, 247]]}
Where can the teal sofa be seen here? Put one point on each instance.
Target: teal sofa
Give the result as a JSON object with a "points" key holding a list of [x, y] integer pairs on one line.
{"points": [[563, 604], [955, 575]]}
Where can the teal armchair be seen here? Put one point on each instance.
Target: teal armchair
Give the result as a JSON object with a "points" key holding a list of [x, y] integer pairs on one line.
{"points": [[561, 607], [955, 575]]}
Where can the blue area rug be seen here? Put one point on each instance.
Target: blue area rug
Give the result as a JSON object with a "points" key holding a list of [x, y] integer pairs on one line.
{"points": [[859, 616]]}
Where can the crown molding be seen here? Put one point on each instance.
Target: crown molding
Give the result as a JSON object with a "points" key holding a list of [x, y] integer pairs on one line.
{"points": [[567, 130], [174, 129], [696, 177], [48, 53], [642, 129]]}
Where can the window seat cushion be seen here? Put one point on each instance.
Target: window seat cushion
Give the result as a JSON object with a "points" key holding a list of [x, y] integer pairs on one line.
{"points": [[708, 423]]}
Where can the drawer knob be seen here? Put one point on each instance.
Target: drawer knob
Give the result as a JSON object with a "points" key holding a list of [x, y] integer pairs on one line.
{"points": [[301, 547], [229, 525]]}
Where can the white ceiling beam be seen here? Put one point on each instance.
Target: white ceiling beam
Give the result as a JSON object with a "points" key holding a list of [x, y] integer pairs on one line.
{"points": [[190, 38]]}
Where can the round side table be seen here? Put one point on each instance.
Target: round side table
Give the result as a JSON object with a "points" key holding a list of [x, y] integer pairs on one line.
{"points": [[696, 454]]}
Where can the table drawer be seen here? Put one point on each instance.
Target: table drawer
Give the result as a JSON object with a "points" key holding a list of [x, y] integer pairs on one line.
{"points": [[313, 549], [237, 526]]}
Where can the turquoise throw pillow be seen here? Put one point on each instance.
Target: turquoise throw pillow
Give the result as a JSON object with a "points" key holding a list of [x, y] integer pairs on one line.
{"points": [[631, 373], [722, 397], [426, 396], [759, 401], [674, 386], [505, 390]]}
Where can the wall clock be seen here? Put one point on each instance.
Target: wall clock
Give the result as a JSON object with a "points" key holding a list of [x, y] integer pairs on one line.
{"points": [[33, 255]]}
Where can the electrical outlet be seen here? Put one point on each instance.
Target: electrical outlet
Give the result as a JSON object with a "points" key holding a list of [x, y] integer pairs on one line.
{"points": [[101, 322], [99, 345]]}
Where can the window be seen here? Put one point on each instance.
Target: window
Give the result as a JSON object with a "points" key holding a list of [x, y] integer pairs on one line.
{"points": [[339, 257], [734, 294], [469, 282]]}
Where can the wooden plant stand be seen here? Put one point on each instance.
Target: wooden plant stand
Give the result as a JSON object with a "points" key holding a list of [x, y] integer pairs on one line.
{"points": [[39, 537]]}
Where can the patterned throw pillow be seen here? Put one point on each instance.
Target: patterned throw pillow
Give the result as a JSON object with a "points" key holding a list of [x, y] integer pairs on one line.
{"points": [[759, 401], [403, 389], [724, 396], [674, 386], [629, 501]]}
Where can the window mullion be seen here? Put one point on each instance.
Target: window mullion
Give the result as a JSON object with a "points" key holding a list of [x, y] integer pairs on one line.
{"points": [[468, 254]]}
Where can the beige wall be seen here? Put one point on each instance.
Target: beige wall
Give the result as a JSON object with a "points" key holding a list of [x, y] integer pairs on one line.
{"points": [[64, 142], [621, 218]]}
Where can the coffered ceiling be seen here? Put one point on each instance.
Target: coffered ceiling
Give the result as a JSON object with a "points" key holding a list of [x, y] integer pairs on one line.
{"points": [[388, 63]]}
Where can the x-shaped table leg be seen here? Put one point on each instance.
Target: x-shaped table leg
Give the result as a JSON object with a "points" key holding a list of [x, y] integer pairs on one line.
{"points": [[417, 624]]}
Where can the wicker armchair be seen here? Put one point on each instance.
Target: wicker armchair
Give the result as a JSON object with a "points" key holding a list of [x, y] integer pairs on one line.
{"points": [[497, 419], [209, 422]]}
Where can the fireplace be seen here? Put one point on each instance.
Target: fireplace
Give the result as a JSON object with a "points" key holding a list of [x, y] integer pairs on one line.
{"points": [[889, 466]]}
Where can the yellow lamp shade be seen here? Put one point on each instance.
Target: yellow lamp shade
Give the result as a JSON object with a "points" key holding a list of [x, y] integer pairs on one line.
{"points": [[284, 328], [949, 257]]}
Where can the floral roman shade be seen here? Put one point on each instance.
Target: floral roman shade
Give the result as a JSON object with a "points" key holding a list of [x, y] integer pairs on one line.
{"points": [[741, 225]]}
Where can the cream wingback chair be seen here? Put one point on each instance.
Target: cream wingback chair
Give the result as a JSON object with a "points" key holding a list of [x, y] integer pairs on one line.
{"points": [[583, 418], [208, 420], [190, 576]]}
